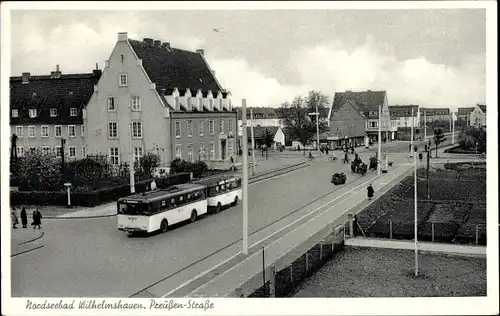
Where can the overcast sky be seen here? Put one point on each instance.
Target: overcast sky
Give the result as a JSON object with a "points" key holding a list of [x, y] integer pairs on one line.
{"points": [[429, 57]]}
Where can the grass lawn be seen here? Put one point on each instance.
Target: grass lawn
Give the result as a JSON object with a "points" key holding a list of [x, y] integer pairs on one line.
{"points": [[371, 272]]}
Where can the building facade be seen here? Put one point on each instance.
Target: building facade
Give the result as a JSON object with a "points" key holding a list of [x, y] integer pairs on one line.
{"points": [[478, 116], [368, 103], [434, 114], [346, 127], [152, 97], [402, 120], [47, 109]]}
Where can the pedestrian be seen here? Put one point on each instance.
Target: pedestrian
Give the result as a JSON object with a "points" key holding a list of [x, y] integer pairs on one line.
{"points": [[322, 150], [15, 220], [153, 185], [415, 148], [24, 217], [327, 149], [409, 148], [37, 218], [370, 192]]}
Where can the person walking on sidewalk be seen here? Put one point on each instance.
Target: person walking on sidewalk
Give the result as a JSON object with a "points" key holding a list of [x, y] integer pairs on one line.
{"points": [[371, 191], [24, 217], [37, 218], [15, 220]]}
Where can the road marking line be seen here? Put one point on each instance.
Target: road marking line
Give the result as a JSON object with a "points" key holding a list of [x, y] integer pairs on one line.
{"points": [[267, 237]]}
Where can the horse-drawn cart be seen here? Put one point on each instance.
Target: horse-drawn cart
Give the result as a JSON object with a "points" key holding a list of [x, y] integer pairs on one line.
{"points": [[359, 167]]}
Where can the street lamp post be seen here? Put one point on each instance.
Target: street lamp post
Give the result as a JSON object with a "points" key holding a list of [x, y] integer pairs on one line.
{"points": [[412, 125], [415, 210], [131, 162], [379, 155], [253, 142], [245, 175], [317, 128], [453, 129]]}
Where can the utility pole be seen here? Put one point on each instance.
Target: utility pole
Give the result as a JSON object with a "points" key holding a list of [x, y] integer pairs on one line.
{"points": [[317, 130], [453, 129], [245, 176], [428, 166], [425, 125], [412, 126], [63, 164], [415, 207], [253, 142], [379, 139]]}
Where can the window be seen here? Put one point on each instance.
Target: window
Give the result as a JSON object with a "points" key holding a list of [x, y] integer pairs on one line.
{"points": [[58, 131], [211, 127], [190, 128], [190, 152], [111, 104], [178, 151], [112, 130], [84, 154], [177, 103], [114, 157], [71, 131], [211, 149], [137, 154], [199, 103], [137, 129], [230, 127], [59, 152], [19, 131], [372, 124], [31, 132], [177, 129], [136, 103], [32, 149], [15, 113], [46, 150], [45, 131], [123, 80], [201, 152], [32, 113], [53, 112], [221, 126], [210, 104], [230, 149], [73, 111], [20, 150], [72, 151], [83, 130], [202, 127]]}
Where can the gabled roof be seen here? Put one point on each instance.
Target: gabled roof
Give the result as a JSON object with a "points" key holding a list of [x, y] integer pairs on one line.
{"points": [[45, 92], [173, 67], [465, 111], [403, 110], [341, 128], [367, 101], [482, 107]]}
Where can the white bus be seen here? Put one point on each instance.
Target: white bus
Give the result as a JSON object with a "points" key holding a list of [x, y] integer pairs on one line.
{"points": [[222, 191], [158, 209]]}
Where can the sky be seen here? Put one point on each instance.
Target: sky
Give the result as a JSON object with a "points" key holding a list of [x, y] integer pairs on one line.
{"points": [[430, 57]]}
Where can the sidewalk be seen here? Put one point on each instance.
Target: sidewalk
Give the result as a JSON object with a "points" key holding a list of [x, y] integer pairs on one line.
{"points": [[471, 250], [109, 209]]}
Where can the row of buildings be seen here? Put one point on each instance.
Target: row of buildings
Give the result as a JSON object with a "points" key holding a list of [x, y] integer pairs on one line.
{"points": [[151, 97]]}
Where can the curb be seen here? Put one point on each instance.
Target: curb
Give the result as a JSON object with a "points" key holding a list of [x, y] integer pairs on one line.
{"points": [[31, 240], [249, 181], [29, 250]]}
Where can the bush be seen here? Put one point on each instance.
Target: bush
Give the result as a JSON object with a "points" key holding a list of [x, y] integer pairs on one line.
{"points": [[197, 168]]}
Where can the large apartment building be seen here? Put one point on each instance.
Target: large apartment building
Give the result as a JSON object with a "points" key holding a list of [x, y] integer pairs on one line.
{"points": [[46, 109], [152, 97]]}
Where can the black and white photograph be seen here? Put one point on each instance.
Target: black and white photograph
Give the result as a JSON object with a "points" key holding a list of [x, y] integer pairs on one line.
{"points": [[212, 157]]}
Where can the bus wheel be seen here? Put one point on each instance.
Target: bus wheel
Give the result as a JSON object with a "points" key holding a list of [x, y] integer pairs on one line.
{"points": [[218, 208], [194, 216], [235, 201], [164, 226]]}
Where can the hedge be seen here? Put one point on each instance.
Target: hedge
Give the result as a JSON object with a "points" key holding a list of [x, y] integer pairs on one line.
{"points": [[91, 198]]}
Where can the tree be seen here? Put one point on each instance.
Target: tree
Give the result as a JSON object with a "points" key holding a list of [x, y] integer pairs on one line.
{"points": [[472, 136], [296, 119], [316, 98], [39, 171], [268, 138], [438, 138], [148, 163]]}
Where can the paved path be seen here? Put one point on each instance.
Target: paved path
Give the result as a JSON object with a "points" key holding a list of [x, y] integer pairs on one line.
{"points": [[422, 246]]}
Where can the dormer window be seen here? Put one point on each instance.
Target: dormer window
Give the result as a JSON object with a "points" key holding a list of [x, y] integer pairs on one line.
{"points": [[177, 103], [210, 104], [15, 113], [53, 112], [199, 103], [32, 113], [73, 112]]}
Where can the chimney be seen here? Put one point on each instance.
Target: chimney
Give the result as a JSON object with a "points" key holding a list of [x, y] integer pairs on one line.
{"points": [[157, 43], [97, 72], [200, 51], [26, 77], [148, 41], [55, 74], [122, 36]]}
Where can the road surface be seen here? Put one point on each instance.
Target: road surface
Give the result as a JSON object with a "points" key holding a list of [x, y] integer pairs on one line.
{"points": [[89, 257]]}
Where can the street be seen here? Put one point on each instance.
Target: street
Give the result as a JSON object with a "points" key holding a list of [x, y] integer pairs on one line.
{"points": [[90, 257]]}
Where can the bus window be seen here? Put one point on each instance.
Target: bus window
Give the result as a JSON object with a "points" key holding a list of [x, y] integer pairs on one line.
{"points": [[134, 209]]}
